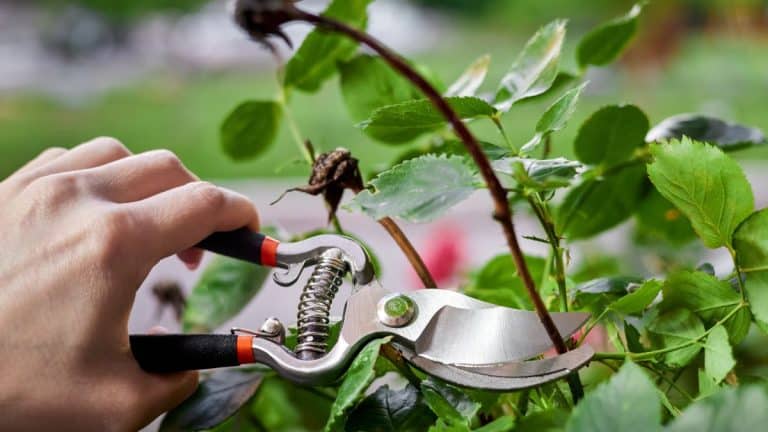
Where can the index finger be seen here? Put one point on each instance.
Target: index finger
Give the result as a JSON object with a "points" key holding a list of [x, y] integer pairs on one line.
{"points": [[179, 218]]}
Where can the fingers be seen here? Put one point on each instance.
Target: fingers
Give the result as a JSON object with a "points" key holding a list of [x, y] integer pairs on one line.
{"points": [[138, 177], [91, 154], [178, 219], [43, 158], [191, 257]]}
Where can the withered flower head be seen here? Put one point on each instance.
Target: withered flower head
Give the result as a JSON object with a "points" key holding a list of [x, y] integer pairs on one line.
{"points": [[263, 18], [332, 173]]}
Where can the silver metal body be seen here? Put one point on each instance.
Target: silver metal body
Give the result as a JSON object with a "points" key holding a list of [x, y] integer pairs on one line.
{"points": [[446, 334]]}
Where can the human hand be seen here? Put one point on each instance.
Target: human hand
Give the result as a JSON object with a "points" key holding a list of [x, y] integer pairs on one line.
{"points": [[81, 229]]}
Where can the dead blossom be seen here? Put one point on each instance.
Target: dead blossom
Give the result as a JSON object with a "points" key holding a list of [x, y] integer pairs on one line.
{"points": [[263, 18], [332, 173]]}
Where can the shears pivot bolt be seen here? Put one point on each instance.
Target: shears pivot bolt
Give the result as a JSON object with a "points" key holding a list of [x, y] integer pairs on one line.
{"points": [[396, 310]]}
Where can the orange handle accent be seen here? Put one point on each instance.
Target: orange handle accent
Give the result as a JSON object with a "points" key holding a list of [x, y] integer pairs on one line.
{"points": [[245, 350]]}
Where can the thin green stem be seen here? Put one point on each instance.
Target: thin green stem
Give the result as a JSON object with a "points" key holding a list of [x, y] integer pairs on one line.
{"points": [[337, 225], [547, 223], [739, 274], [547, 148], [591, 325], [293, 127], [673, 384], [497, 121], [649, 355]]}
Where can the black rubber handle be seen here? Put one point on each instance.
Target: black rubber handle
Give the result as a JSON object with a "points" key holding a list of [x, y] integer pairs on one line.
{"points": [[242, 244], [176, 353]]}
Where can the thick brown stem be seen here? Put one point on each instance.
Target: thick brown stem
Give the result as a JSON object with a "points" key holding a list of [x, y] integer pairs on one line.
{"points": [[407, 247], [410, 252], [502, 213]]}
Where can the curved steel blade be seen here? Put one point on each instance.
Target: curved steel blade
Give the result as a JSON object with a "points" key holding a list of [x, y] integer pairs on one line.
{"points": [[572, 360], [452, 328], [490, 335], [541, 373]]}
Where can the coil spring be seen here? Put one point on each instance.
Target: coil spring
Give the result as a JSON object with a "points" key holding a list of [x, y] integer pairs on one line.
{"points": [[315, 305]]}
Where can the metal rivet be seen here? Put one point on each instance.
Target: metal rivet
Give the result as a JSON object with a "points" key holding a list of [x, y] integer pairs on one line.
{"points": [[396, 310], [273, 329]]}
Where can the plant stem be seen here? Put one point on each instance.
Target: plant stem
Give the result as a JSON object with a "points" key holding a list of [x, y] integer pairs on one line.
{"points": [[497, 121], [739, 274], [410, 252], [394, 356], [649, 355], [294, 129], [545, 219], [502, 213], [406, 246], [392, 228]]}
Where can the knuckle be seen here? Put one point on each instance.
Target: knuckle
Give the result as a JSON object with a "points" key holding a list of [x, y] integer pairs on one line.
{"points": [[52, 152], [113, 227], [58, 187], [211, 195], [167, 160], [111, 146]]}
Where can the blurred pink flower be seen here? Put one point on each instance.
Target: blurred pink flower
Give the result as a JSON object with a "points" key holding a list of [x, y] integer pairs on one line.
{"points": [[443, 255]]}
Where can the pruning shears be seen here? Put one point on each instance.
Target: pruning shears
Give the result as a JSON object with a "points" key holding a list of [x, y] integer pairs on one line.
{"points": [[444, 333]]}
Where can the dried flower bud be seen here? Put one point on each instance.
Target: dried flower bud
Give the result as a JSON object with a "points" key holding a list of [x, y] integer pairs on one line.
{"points": [[263, 18], [332, 173]]}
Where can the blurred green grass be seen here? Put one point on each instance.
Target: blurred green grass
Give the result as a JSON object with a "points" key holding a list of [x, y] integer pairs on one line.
{"points": [[727, 76]]}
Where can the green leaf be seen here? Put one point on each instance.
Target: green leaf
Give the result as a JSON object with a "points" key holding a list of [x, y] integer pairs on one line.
{"points": [[388, 410], [406, 121], [471, 79], [535, 69], [718, 356], [449, 403], [558, 114], [550, 420], [674, 328], [418, 190], [225, 288], [751, 244], [281, 405], [626, 402], [636, 301], [537, 174], [600, 204], [633, 338], [357, 378], [706, 185], [451, 147], [709, 298], [611, 135], [597, 294], [743, 408], [217, 398], [728, 136], [605, 43], [707, 384], [250, 129], [555, 117], [368, 83], [659, 219], [316, 59], [498, 282], [501, 424]]}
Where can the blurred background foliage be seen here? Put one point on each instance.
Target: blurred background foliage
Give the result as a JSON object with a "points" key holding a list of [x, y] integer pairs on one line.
{"points": [[706, 56]]}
